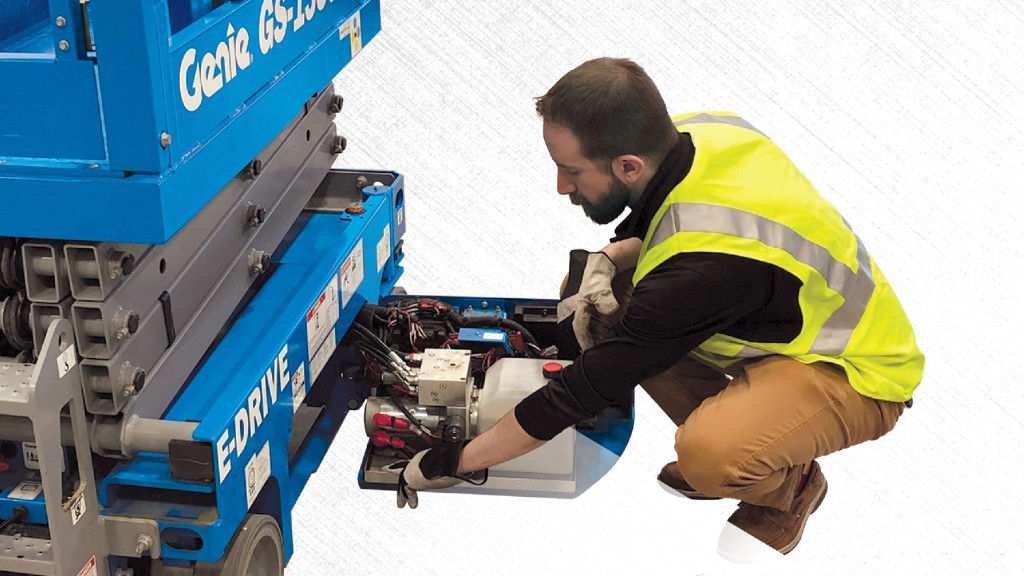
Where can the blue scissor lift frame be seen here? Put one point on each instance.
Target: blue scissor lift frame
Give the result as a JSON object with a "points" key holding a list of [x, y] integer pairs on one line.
{"points": [[120, 123], [133, 128], [121, 130]]}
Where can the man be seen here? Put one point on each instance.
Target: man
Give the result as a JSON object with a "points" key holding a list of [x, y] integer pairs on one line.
{"points": [[758, 322]]}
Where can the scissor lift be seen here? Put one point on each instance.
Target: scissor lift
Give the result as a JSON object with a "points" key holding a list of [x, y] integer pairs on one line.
{"points": [[178, 265]]}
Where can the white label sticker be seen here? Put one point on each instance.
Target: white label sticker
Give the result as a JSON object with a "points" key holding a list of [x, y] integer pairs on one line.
{"points": [[257, 472], [319, 360], [322, 317], [30, 456], [77, 510], [298, 387], [384, 248], [27, 490], [399, 216], [351, 274], [353, 28], [89, 569], [66, 361], [493, 336]]}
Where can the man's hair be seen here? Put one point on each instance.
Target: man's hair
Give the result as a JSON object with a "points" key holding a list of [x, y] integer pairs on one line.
{"points": [[613, 107]]}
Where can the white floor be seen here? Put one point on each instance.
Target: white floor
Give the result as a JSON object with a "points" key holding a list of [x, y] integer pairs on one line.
{"points": [[906, 114]]}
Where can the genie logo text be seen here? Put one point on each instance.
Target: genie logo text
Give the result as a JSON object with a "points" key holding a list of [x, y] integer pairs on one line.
{"points": [[203, 73]]}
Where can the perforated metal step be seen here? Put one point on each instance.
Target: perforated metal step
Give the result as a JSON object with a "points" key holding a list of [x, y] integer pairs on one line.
{"points": [[25, 555], [15, 386]]}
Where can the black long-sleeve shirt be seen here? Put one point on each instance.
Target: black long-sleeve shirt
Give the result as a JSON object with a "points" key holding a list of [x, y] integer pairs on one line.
{"points": [[674, 308]]}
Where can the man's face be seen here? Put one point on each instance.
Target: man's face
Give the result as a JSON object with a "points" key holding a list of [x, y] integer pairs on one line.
{"points": [[587, 183]]}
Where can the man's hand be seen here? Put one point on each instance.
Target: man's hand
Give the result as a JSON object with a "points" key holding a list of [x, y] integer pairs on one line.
{"points": [[587, 293], [432, 469]]}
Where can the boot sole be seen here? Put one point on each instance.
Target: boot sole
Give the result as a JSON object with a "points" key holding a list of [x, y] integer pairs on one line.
{"points": [[687, 495], [800, 533]]}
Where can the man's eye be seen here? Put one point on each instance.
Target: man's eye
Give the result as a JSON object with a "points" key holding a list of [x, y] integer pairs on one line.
{"points": [[573, 172]]}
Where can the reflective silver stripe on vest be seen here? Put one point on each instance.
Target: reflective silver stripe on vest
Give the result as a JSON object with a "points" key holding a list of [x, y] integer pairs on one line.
{"points": [[835, 333], [748, 352], [715, 356], [745, 352], [713, 118], [855, 287]]}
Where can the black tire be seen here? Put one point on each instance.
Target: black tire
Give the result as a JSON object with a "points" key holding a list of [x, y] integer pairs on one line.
{"points": [[257, 549], [16, 322], [10, 265]]}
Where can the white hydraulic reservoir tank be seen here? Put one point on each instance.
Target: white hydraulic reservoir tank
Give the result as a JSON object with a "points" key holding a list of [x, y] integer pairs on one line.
{"points": [[507, 382]]}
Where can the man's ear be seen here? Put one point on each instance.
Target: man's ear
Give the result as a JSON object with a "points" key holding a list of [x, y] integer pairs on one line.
{"points": [[628, 168]]}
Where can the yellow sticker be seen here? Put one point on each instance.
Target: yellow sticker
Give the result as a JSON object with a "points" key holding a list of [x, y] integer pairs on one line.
{"points": [[353, 28]]}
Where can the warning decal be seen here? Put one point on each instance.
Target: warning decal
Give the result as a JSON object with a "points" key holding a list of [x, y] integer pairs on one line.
{"points": [[351, 274]]}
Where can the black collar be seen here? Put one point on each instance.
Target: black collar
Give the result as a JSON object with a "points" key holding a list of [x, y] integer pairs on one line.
{"points": [[671, 172]]}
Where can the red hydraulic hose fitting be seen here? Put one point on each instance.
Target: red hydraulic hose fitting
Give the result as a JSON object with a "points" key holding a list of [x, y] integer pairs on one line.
{"points": [[381, 438], [389, 421]]}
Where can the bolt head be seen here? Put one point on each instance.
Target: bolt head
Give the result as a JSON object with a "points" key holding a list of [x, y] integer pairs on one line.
{"points": [[132, 324], [60, 21], [259, 213], [63, 45], [127, 264], [139, 379], [337, 102], [355, 208], [165, 140], [256, 215], [340, 144]]}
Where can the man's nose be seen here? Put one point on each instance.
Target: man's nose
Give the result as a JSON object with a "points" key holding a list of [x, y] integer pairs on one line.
{"points": [[564, 185]]}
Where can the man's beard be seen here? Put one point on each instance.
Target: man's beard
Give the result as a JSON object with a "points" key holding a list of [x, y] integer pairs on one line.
{"points": [[610, 207]]}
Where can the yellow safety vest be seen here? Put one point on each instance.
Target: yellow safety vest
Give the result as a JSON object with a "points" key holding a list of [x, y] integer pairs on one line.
{"points": [[743, 196]]}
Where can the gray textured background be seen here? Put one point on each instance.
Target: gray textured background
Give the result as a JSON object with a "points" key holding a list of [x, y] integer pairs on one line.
{"points": [[907, 115]]}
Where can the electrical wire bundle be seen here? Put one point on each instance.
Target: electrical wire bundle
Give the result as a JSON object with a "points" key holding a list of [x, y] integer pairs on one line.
{"points": [[374, 348], [495, 322], [408, 314], [421, 323], [387, 359]]}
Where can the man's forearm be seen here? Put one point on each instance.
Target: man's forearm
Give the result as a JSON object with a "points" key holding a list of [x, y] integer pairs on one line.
{"points": [[505, 441], [624, 253]]}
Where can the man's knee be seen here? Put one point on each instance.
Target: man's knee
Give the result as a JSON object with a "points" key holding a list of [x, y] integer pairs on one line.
{"points": [[704, 460]]}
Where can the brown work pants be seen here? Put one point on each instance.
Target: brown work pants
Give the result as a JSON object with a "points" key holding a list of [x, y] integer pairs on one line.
{"points": [[750, 437]]}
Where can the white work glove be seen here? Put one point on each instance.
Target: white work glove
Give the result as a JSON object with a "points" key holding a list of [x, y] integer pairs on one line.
{"points": [[587, 294], [432, 469]]}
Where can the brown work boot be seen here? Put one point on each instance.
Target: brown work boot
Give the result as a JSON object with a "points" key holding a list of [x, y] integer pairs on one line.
{"points": [[672, 480], [780, 529]]}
